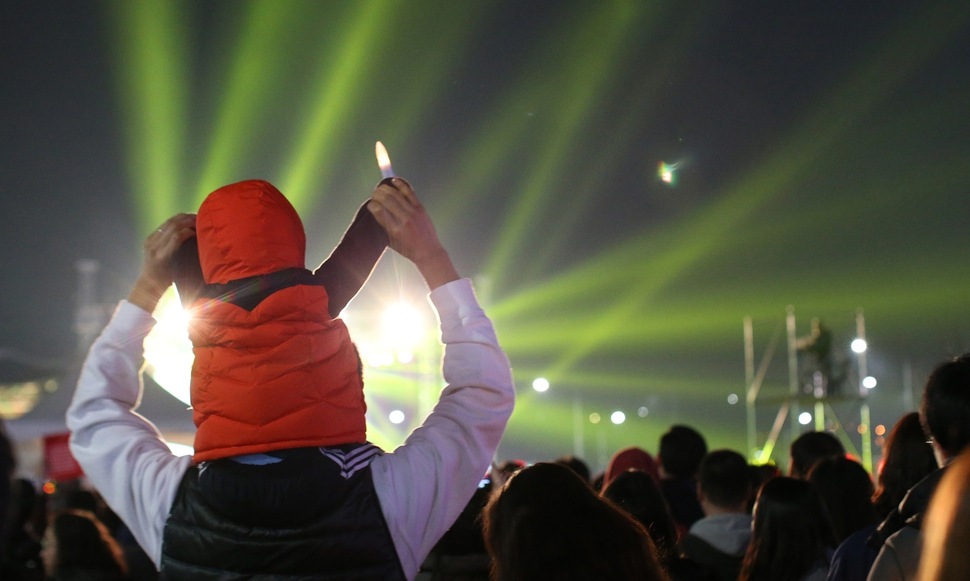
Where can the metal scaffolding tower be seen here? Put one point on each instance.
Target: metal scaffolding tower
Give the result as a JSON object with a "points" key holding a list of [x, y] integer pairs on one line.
{"points": [[813, 393]]}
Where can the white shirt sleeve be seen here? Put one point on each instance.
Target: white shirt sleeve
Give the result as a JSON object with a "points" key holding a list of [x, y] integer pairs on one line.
{"points": [[121, 452], [425, 484]]}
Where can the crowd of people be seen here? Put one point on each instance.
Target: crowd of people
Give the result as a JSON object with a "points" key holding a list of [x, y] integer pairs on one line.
{"points": [[285, 486]]}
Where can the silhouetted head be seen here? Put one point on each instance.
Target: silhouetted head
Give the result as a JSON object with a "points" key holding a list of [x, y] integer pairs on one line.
{"points": [[546, 523], [846, 489], [811, 447], [791, 532], [724, 479], [681, 450], [945, 409]]}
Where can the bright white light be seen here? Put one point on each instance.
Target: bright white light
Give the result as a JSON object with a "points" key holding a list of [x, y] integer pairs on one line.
{"points": [[180, 449], [618, 417], [168, 351], [402, 325], [643, 411], [869, 382], [594, 418], [859, 345], [396, 416], [733, 398], [540, 384], [805, 418]]}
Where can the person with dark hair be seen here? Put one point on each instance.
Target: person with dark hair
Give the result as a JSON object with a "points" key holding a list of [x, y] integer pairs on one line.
{"points": [[906, 460], [637, 493], [846, 490], [945, 416], [78, 547], [21, 542], [577, 465], [681, 450], [809, 448], [545, 523], [720, 539], [791, 538], [341, 512]]}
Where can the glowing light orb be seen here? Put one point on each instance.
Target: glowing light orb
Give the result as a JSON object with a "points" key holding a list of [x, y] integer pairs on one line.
{"points": [[618, 417], [732, 398], [667, 172], [402, 325], [859, 345], [396, 417], [168, 351], [869, 382], [643, 411], [540, 384], [594, 418], [804, 418]]}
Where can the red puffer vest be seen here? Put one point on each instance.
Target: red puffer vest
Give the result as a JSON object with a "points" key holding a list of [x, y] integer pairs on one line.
{"points": [[284, 374]]}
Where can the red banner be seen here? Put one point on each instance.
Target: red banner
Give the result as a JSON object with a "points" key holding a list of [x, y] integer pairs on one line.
{"points": [[58, 460]]}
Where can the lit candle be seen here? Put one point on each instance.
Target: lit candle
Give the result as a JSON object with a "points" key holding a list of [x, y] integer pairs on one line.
{"points": [[383, 160]]}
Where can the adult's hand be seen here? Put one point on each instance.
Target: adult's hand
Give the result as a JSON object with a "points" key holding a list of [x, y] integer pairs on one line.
{"points": [[410, 230], [156, 269]]}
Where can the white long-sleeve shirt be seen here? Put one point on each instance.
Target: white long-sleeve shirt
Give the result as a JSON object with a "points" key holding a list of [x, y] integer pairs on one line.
{"points": [[422, 486]]}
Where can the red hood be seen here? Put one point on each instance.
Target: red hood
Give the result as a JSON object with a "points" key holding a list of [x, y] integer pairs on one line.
{"points": [[247, 229]]}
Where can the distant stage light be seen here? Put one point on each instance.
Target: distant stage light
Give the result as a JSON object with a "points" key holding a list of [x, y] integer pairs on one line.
{"points": [[643, 411], [733, 398], [540, 384], [869, 382], [880, 430], [594, 418], [618, 417], [805, 418], [396, 417], [859, 345]]}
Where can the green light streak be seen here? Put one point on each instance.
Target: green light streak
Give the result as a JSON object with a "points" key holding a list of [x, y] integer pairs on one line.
{"points": [[151, 53], [698, 238], [332, 100], [598, 44], [255, 76]]}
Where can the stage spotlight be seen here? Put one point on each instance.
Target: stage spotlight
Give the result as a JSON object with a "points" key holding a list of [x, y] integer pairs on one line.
{"points": [[618, 417], [869, 382], [396, 417], [805, 418], [859, 345], [541, 384], [168, 351]]}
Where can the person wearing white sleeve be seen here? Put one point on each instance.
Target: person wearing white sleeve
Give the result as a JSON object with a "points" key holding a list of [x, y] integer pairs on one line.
{"points": [[378, 523]]}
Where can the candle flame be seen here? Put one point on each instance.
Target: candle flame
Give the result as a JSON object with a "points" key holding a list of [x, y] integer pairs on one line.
{"points": [[383, 160]]}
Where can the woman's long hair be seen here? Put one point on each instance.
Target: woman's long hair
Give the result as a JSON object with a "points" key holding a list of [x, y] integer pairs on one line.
{"points": [[846, 490], [907, 458], [637, 493], [791, 534], [545, 523], [84, 543]]}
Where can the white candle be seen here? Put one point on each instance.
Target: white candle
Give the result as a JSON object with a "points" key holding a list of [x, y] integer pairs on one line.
{"points": [[383, 160]]}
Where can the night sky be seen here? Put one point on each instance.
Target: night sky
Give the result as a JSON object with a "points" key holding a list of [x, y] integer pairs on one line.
{"points": [[821, 150]]}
